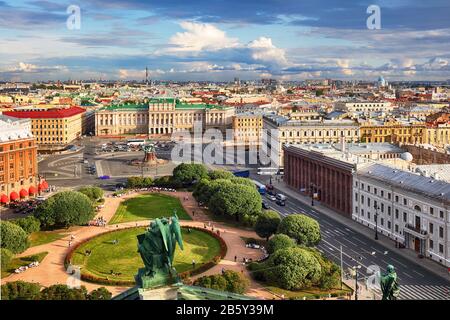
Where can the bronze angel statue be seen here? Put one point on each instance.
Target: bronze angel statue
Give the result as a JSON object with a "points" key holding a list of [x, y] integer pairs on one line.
{"points": [[157, 248]]}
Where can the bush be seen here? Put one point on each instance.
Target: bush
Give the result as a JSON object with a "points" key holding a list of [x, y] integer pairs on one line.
{"points": [[13, 237], [93, 193], [293, 269], [166, 182], [65, 209], [280, 241], [139, 182], [331, 273], [230, 281], [267, 224], [302, 228], [188, 173], [63, 292], [6, 256], [99, 294], [29, 224], [20, 290]]}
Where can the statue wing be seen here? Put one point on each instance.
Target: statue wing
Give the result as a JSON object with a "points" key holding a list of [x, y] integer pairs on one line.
{"points": [[177, 231], [163, 232]]}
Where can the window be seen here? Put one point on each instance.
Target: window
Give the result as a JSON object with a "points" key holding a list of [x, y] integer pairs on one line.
{"points": [[389, 196], [431, 228], [431, 210], [441, 248], [389, 225], [405, 201], [362, 212], [431, 244], [396, 228], [396, 198], [405, 217], [441, 232], [441, 214]]}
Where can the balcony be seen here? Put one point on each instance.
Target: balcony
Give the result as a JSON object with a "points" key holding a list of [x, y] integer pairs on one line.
{"points": [[416, 232]]}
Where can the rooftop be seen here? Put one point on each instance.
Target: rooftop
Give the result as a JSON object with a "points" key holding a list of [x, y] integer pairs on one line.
{"points": [[46, 113], [428, 186]]}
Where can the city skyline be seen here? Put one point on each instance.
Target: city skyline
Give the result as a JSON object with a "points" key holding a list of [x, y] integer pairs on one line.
{"points": [[219, 41]]}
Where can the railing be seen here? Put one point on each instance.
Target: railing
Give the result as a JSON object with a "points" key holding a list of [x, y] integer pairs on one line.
{"points": [[416, 230]]}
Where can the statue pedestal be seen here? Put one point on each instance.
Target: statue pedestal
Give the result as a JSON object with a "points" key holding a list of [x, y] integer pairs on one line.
{"points": [[161, 293], [159, 279]]}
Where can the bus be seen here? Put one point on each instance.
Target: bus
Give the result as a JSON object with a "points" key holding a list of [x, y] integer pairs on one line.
{"points": [[136, 142], [260, 187], [268, 171]]}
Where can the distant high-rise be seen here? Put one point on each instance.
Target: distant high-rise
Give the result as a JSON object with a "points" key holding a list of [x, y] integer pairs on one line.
{"points": [[146, 75]]}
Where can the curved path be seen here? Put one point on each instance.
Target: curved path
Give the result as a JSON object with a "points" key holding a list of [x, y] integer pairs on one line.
{"points": [[51, 270]]}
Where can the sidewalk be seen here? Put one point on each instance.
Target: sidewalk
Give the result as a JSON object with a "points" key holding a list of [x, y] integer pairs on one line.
{"points": [[386, 242]]}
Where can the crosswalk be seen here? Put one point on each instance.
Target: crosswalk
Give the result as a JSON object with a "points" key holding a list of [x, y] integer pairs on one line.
{"points": [[424, 292]]}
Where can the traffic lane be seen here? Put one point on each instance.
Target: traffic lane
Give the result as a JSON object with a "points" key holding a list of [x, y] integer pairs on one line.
{"points": [[359, 245]]}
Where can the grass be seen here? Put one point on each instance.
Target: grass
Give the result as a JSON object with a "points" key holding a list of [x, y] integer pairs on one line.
{"points": [[123, 257], [43, 237], [148, 207], [22, 261], [310, 293]]}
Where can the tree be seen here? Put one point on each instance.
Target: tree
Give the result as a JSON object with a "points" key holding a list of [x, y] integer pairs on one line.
{"points": [[220, 174], [187, 173], [93, 193], [293, 269], [65, 209], [6, 256], [99, 294], [205, 189], [302, 228], [20, 290], [267, 224], [236, 200], [280, 241], [243, 181], [63, 292], [13, 237], [29, 224]]}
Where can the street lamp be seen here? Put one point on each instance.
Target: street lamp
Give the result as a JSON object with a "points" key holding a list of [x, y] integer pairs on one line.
{"points": [[376, 221], [356, 268], [311, 185]]}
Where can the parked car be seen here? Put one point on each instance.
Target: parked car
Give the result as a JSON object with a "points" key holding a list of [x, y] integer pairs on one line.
{"points": [[271, 197], [265, 205], [281, 203]]}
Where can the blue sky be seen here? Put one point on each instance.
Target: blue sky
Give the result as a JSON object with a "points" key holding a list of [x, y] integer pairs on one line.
{"points": [[219, 40]]}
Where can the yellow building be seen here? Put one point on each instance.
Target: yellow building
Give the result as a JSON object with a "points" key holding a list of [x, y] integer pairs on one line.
{"points": [[393, 132], [53, 129], [160, 117], [247, 129]]}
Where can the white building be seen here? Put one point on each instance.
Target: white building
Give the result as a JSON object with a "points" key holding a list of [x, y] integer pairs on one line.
{"points": [[364, 106], [412, 209]]}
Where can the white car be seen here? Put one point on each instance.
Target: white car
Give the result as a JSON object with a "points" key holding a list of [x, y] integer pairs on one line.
{"points": [[271, 198]]}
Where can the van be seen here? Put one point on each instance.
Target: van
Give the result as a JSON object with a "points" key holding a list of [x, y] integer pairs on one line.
{"points": [[281, 197], [40, 198]]}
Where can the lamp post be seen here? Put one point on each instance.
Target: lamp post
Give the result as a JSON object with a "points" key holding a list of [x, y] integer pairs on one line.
{"points": [[311, 185], [376, 221], [356, 268]]}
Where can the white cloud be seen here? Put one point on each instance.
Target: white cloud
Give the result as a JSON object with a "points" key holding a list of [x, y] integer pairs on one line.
{"points": [[263, 50], [198, 37]]}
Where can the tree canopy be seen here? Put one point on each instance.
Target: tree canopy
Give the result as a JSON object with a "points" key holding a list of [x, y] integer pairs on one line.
{"points": [[267, 224], [29, 224], [302, 228], [280, 241], [65, 209], [187, 173], [13, 237], [230, 281], [93, 193]]}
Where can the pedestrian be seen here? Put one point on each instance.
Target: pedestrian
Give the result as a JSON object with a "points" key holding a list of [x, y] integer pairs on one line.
{"points": [[193, 264], [193, 213], [235, 258], [70, 243], [223, 270]]}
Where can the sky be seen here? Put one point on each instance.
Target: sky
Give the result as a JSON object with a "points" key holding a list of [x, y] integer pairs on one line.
{"points": [[212, 40]]}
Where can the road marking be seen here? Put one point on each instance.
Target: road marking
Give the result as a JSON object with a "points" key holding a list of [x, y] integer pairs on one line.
{"points": [[406, 274], [418, 273], [356, 239], [393, 259]]}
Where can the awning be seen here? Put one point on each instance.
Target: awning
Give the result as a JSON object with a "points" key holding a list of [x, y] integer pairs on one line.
{"points": [[4, 198], [23, 193], [43, 185], [13, 196], [32, 190]]}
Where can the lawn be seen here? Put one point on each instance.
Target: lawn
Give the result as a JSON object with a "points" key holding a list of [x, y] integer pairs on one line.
{"points": [[148, 207], [43, 237], [23, 261], [124, 259]]}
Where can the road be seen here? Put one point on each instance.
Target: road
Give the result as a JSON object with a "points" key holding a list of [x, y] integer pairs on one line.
{"points": [[416, 283]]}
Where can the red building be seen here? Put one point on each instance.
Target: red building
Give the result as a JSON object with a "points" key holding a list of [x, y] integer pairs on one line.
{"points": [[326, 177]]}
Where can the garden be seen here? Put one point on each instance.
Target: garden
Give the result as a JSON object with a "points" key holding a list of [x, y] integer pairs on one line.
{"points": [[112, 258]]}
